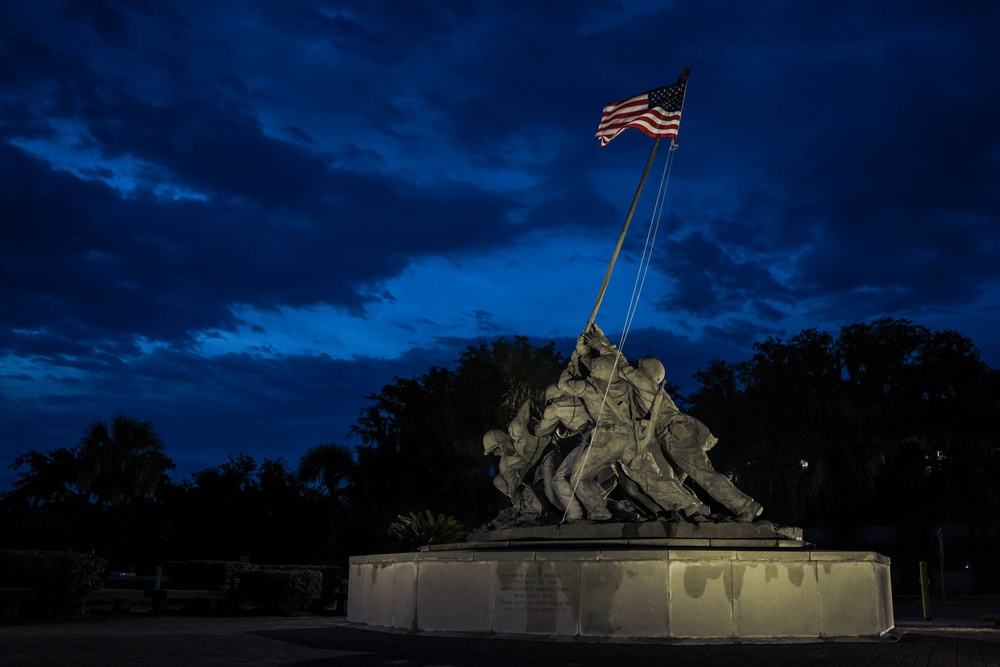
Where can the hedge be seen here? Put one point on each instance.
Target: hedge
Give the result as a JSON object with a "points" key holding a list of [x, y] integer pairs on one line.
{"points": [[62, 580], [334, 577], [282, 591], [288, 588], [215, 575]]}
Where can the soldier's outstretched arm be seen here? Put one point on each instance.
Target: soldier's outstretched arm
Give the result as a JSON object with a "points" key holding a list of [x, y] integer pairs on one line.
{"points": [[595, 339]]}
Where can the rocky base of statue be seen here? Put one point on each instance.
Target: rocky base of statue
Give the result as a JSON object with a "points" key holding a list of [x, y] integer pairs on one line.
{"points": [[621, 512], [724, 532], [514, 517]]}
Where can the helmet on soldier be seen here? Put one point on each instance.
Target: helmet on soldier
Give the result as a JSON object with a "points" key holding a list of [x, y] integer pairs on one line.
{"points": [[493, 440], [653, 368], [604, 368]]}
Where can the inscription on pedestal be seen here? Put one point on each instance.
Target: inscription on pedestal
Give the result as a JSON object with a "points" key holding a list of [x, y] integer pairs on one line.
{"points": [[537, 597], [532, 591]]}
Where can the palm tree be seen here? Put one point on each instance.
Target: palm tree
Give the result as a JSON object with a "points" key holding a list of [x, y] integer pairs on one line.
{"points": [[122, 461], [328, 465]]}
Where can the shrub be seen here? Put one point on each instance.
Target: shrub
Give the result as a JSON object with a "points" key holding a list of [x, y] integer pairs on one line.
{"points": [[333, 576], [283, 591], [216, 575], [62, 580], [416, 529]]}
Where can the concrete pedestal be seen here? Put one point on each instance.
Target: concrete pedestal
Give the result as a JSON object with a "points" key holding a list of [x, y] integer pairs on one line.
{"points": [[626, 591]]}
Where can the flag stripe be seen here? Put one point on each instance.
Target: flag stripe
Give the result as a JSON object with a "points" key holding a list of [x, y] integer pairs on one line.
{"points": [[654, 116], [616, 111], [644, 113]]}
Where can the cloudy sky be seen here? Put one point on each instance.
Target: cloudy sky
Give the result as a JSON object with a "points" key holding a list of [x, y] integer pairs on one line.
{"points": [[238, 218]]}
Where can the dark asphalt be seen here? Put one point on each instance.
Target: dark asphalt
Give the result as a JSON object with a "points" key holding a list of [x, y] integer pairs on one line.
{"points": [[961, 639]]}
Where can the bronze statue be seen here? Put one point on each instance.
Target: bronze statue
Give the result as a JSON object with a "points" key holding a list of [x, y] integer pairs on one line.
{"points": [[623, 431]]}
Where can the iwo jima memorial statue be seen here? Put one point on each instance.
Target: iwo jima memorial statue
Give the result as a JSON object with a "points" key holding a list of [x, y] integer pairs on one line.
{"points": [[603, 539]]}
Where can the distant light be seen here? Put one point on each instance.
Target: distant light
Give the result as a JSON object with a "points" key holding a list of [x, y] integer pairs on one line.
{"points": [[804, 464]]}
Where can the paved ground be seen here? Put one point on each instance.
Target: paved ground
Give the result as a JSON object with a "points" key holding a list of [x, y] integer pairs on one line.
{"points": [[955, 637]]}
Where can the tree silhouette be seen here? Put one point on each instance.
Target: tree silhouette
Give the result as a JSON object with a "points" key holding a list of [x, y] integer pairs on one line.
{"points": [[889, 423], [505, 374], [328, 465], [121, 461], [422, 437], [245, 508], [49, 478], [97, 496], [330, 468]]}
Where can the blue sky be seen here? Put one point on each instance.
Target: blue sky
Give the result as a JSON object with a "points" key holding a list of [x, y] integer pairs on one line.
{"points": [[237, 219]]}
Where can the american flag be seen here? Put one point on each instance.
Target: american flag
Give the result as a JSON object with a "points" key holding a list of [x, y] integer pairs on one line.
{"points": [[657, 113]]}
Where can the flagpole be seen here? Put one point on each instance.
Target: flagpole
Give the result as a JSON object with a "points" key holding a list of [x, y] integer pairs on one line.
{"points": [[685, 74], [621, 237]]}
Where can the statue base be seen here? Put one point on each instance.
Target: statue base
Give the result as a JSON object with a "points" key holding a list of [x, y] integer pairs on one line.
{"points": [[640, 534], [651, 580]]}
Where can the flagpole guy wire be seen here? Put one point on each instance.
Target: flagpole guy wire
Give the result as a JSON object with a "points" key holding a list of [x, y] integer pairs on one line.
{"points": [[640, 278], [685, 74], [654, 225], [621, 237], [647, 251]]}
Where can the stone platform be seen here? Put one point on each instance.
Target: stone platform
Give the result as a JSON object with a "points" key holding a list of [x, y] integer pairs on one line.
{"points": [[727, 582]]}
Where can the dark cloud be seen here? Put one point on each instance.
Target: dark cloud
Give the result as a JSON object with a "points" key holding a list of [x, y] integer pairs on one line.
{"points": [[81, 253], [709, 281], [103, 17]]}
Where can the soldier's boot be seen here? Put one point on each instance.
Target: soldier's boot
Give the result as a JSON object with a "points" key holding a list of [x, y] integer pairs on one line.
{"points": [[749, 513]]}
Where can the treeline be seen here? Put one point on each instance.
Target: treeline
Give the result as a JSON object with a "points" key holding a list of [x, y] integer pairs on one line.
{"points": [[261, 509], [888, 423], [111, 494]]}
